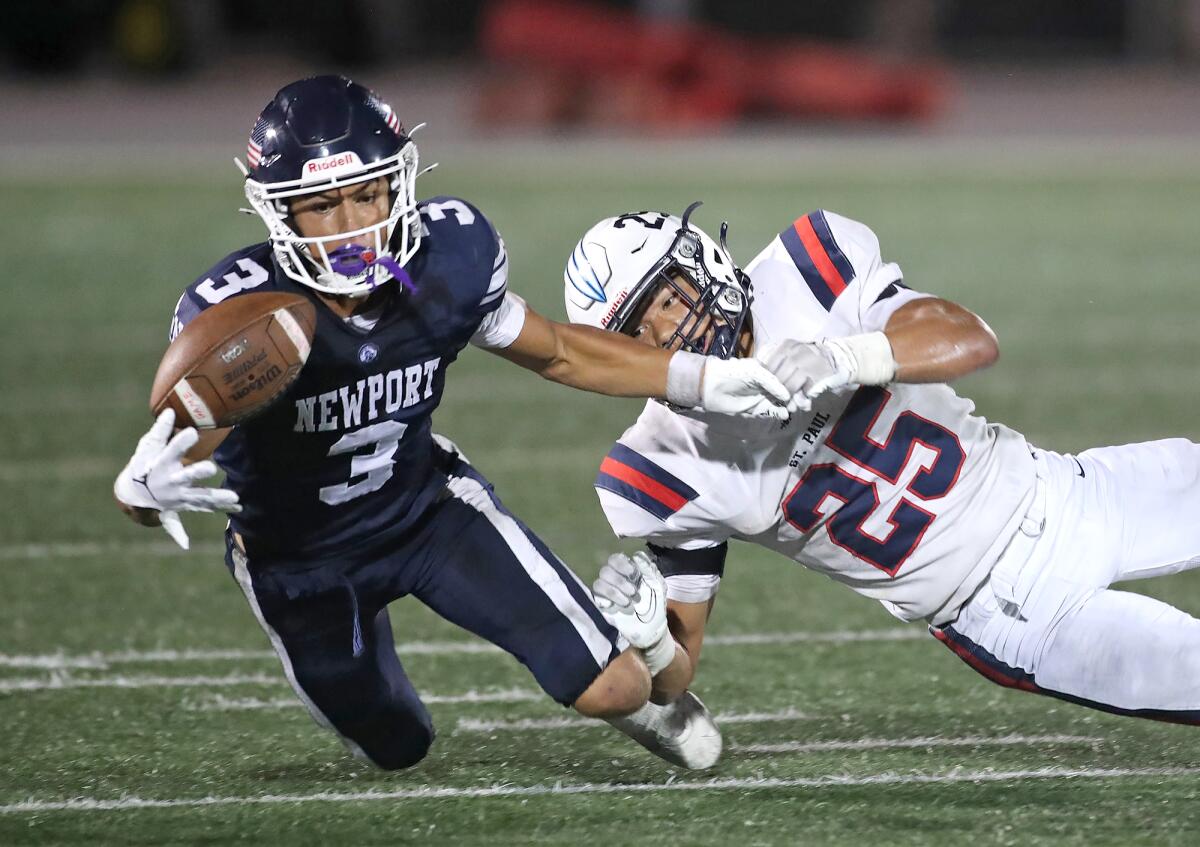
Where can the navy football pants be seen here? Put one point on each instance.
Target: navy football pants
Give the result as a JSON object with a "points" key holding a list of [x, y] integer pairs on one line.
{"points": [[471, 562]]}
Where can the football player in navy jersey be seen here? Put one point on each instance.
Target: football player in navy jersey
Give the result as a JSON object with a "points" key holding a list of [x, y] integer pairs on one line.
{"points": [[341, 498]]}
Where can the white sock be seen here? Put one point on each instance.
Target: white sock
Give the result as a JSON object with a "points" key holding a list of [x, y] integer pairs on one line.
{"points": [[645, 719]]}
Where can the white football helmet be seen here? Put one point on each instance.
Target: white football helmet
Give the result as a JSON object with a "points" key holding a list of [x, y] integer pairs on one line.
{"points": [[621, 262]]}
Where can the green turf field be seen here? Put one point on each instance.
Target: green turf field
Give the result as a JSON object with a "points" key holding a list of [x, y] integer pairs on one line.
{"points": [[139, 702]]}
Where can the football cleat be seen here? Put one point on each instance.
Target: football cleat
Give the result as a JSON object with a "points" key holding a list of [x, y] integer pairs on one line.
{"points": [[682, 733]]}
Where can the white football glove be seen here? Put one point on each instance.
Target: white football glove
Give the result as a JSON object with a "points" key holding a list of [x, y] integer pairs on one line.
{"points": [[810, 368], [632, 595], [805, 368], [740, 387], [156, 478]]}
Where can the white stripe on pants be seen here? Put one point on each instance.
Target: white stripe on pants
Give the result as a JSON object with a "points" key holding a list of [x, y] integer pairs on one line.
{"points": [[543, 574]]}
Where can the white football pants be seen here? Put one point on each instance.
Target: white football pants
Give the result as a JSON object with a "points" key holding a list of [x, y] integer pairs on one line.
{"points": [[1046, 619]]}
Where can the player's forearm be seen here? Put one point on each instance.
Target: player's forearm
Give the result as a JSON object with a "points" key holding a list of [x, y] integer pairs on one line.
{"points": [[607, 363], [674, 679], [589, 359], [938, 341], [687, 622]]}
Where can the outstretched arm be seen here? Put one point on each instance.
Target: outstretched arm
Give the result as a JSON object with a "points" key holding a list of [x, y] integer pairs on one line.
{"points": [[925, 340], [589, 358], [609, 363], [686, 622]]}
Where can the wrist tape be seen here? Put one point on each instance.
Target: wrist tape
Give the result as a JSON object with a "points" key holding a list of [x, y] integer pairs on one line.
{"points": [[660, 654], [685, 373], [868, 356]]}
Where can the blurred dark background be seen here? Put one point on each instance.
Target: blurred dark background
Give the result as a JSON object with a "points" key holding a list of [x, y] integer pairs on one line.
{"points": [[173, 37]]}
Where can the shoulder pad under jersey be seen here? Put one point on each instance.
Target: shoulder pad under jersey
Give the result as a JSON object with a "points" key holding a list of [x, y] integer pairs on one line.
{"points": [[832, 255], [464, 250]]}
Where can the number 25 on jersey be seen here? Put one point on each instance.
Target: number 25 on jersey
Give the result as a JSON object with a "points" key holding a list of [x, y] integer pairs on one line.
{"points": [[863, 465]]}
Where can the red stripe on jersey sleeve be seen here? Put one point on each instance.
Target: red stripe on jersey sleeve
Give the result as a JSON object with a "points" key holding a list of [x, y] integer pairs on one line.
{"points": [[643, 483], [820, 258]]}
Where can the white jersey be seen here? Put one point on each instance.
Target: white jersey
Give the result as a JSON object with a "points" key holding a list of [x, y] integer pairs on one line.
{"points": [[900, 492]]}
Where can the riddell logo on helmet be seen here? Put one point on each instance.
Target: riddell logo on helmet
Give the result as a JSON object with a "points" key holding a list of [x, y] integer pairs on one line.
{"points": [[613, 309], [331, 165]]}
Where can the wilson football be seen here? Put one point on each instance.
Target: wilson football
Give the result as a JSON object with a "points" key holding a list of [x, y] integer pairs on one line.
{"points": [[234, 359]]}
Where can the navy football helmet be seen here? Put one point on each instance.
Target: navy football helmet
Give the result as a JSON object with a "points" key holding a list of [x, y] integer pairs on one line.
{"points": [[327, 132]]}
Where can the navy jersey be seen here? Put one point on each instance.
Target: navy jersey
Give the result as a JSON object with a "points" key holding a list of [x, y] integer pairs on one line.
{"points": [[345, 456]]}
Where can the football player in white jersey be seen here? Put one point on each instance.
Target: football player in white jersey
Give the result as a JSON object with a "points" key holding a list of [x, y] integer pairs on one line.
{"points": [[884, 478]]}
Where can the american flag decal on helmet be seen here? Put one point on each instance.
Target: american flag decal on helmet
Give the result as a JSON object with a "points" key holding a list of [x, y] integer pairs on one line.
{"points": [[385, 112], [254, 146]]}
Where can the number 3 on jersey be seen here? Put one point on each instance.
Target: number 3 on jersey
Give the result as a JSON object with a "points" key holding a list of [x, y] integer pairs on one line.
{"points": [[253, 275], [375, 467], [806, 505]]}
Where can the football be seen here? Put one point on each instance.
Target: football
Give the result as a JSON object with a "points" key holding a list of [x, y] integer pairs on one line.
{"points": [[234, 359]]}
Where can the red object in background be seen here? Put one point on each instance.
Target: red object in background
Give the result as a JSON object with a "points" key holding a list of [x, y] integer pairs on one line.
{"points": [[569, 62], [817, 80]]}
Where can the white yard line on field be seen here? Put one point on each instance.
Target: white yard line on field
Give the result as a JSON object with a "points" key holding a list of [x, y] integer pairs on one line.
{"points": [[218, 703], [35, 551], [101, 661], [551, 724], [915, 743], [541, 724], [749, 639], [956, 776], [64, 681]]}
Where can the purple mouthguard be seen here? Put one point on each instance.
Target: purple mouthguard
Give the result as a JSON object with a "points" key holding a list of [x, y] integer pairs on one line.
{"points": [[354, 259]]}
